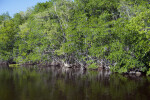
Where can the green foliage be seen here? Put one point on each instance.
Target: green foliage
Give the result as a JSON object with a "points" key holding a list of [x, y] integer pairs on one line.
{"points": [[7, 39], [39, 7], [93, 65], [4, 16], [148, 72], [113, 32]]}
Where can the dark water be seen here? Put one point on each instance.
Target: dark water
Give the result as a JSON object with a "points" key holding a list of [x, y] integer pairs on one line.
{"points": [[34, 83]]}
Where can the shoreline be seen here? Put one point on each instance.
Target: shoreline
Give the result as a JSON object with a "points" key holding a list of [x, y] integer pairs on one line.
{"points": [[71, 66]]}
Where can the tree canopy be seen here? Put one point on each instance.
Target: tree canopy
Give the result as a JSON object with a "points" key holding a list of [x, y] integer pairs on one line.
{"points": [[93, 33]]}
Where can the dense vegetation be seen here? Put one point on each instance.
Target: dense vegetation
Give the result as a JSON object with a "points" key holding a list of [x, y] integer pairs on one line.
{"points": [[93, 33]]}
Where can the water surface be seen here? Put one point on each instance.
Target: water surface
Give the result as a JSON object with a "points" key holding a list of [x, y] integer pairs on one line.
{"points": [[38, 83]]}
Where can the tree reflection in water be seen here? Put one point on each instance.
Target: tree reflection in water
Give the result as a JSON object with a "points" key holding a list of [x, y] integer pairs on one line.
{"points": [[38, 83]]}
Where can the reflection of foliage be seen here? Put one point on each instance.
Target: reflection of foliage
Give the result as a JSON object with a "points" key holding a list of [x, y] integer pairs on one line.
{"points": [[112, 33], [45, 84]]}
